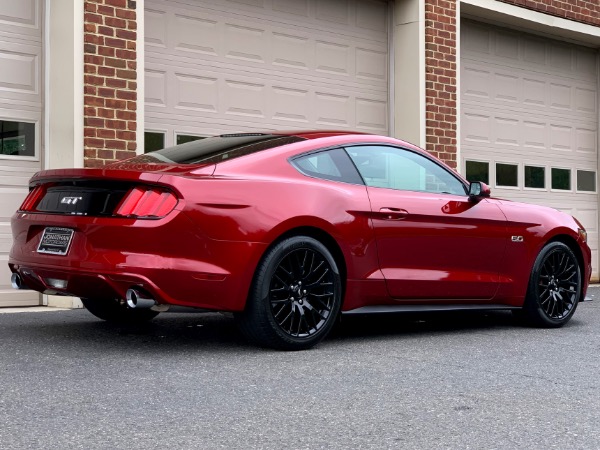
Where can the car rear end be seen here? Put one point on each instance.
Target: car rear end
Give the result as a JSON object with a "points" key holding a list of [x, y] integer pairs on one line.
{"points": [[96, 233]]}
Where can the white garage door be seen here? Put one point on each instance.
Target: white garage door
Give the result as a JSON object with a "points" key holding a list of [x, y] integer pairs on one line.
{"points": [[20, 122], [216, 67], [529, 120]]}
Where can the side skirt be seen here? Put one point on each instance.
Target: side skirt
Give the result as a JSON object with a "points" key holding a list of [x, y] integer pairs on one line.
{"points": [[382, 309]]}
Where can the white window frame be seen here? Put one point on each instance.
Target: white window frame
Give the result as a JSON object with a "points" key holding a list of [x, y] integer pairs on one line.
{"points": [[546, 172], [36, 120], [571, 179]]}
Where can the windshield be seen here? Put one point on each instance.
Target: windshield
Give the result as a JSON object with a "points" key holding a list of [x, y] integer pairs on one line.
{"points": [[215, 149]]}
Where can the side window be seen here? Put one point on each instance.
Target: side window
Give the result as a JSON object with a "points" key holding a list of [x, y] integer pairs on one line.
{"points": [[395, 168], [331, 165]]}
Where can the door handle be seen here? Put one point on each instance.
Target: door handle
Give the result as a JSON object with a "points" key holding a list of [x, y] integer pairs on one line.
{"points": [[393, 213]]}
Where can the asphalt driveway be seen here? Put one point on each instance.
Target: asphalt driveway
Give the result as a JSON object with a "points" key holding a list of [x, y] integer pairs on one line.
{"points": [[68, 380]]}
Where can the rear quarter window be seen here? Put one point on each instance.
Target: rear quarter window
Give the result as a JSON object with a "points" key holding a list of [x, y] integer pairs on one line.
{"points": [[334, 165]]}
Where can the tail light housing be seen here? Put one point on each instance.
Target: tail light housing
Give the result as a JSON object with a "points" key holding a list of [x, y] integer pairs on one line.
{"points": [[146, 202], [32, 199]]}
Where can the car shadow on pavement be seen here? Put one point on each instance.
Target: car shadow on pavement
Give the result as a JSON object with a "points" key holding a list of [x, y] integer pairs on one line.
{"points": [[402, 324], [212, 332]]}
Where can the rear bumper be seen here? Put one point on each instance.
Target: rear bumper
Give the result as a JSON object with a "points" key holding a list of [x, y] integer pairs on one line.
{"points": [[109, 256]]}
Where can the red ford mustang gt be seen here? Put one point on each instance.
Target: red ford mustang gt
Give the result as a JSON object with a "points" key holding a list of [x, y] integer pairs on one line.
{"points": [[287, 230]]}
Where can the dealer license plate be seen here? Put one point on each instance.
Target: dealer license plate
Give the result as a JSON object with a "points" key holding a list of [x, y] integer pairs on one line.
{"points": [[55, 241]]}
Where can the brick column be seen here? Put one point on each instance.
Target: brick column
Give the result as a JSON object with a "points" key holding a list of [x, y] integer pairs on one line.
{"points": [[110, 87], [440, 79]]}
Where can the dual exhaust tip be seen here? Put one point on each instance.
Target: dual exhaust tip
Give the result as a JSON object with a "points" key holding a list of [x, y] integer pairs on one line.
{"points": [[16, 281], [136, 298]]}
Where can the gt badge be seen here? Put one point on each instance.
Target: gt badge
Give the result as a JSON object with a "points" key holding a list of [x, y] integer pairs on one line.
{"points": [[70, 200]]}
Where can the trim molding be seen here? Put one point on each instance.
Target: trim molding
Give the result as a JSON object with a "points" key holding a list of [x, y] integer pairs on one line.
{"points": [[532, 21]]}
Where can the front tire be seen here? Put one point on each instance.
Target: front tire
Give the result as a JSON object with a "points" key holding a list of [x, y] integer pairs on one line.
{"points": [[112, 311], [555, 287], [295, 297]]}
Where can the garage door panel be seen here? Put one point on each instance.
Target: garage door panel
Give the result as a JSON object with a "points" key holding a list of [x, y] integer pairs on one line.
{"points": [[531, 101], [21, 97], [496, 85], [364, 67], [20, 74], [498, 129], [176, 34], [523, 51], [21, 19], [221, 92], [340, 16]]}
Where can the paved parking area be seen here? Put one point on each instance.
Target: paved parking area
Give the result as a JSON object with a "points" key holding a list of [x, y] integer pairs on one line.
{"points": [[68, 380]]}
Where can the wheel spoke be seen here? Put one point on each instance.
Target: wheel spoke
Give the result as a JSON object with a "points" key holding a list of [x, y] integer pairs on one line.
{"points": [[279, 279], [309, 307], [320, 278]]}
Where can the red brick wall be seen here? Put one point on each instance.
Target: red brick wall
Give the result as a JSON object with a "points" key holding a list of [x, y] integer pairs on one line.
{"points": [[440, 81], [110, 88], [586, 11]]}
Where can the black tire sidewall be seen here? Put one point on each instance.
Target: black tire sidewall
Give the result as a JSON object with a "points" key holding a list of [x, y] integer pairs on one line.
{"points": [[532, 306], [260, 306]]}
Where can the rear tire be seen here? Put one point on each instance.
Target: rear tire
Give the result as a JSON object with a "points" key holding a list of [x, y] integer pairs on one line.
{"points": [[554, 287], [112, 311], [295, 297]]}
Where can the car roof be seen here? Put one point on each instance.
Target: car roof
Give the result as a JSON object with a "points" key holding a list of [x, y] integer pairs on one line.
{"points": [[306, 134], [319, 134]]}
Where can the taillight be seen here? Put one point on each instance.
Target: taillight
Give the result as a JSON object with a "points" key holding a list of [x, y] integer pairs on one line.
{"points": [[32, 199], [146, 202]]}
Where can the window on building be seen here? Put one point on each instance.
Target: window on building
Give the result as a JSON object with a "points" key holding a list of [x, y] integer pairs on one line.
{"points": [[535, 177], [507, 175], [478, 171], [561, 179], [183, 138], [586, 180], [17, 138], [153, 140]]}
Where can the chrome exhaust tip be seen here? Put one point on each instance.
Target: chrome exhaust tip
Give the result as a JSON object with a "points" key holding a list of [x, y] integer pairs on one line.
{"points": [[16, 281], [136, 298]]}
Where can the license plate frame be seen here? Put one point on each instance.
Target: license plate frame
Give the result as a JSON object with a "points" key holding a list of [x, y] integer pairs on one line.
{"points": [[56, 241]]}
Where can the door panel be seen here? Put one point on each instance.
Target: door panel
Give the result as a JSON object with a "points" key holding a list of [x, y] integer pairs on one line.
{"points": [[438, 246], [433, 243]]}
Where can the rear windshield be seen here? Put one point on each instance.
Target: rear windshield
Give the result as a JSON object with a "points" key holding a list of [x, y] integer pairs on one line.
{"points": [[215, 149]]}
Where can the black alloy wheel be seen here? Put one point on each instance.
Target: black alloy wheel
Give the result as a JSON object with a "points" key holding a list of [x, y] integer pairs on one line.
{"points": [[302, 292], [296, 296], [555, 286]]}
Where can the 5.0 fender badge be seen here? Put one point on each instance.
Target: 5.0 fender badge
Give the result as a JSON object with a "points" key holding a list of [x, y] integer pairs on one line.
{"points": [[516, 238]]}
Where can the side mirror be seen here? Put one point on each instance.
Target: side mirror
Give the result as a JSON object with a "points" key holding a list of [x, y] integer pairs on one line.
{"points": [[479, 190]]}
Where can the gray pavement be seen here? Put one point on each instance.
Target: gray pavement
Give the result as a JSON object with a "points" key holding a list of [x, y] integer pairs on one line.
{"points": [[459, 381]]}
